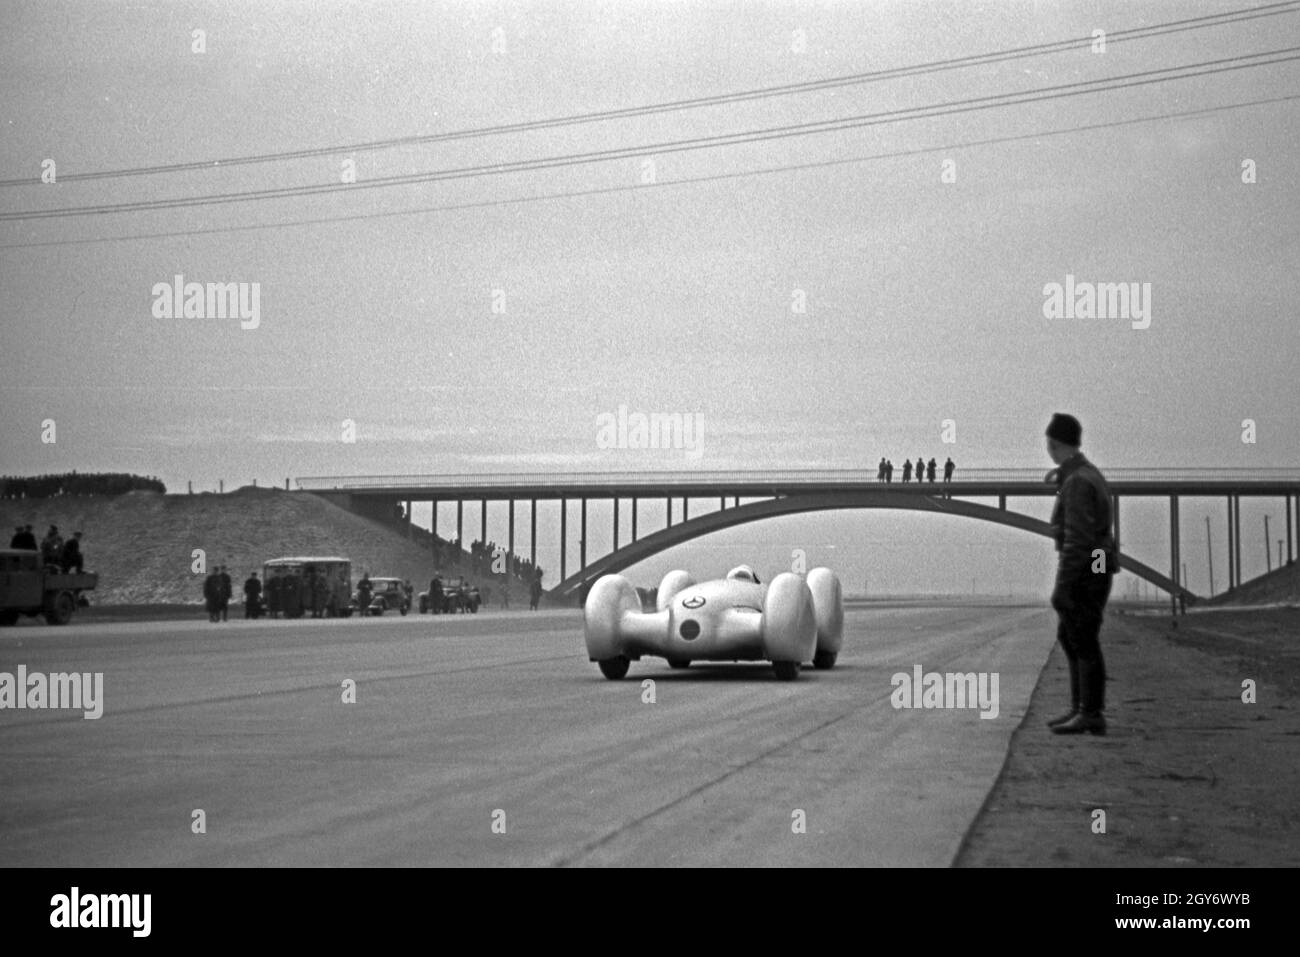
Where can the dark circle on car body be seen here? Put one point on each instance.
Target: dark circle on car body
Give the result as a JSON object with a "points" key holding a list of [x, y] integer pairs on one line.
{"points": [[690, 629]]}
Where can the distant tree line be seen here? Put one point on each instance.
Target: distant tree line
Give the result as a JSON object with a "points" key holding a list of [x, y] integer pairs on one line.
{"points": [[76, 483]]}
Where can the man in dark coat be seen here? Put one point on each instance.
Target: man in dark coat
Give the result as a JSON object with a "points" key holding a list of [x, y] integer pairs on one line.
{"points": [[227, 591], [253, 597], [907, 471], [72, 557], [320, 594], [212, 595], [365, 591], [535, 593], [274, 593], [1081, 523], [291, 595], [435, 595], [52, 547], [929, 471], [17, 540], [29, 539]]}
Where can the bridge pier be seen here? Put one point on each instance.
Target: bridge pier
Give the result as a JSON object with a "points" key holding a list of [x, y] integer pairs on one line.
{"points": [[634, 521], [433, 526], [1288, 530], [669, 503], [582, 542], [460, 527], [510, 546], [615, 523], [686, 509], [1236, 534], [482, 515], [532, 538], [564, 538], [410, 525], [1175, 571], [1232, 573]]}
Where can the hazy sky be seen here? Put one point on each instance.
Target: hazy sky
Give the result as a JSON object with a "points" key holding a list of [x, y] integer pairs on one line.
{"points": [[924, 298]]}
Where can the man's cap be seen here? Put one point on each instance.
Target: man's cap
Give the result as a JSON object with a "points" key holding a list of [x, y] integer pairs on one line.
{"points": [[1065, 429]]}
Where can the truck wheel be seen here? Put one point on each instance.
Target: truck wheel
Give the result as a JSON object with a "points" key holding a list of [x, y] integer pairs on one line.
{"points": [[8, 617], [60, 610], [615, 669]]}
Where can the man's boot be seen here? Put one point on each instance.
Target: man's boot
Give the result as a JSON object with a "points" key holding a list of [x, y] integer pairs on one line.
{"points": [[1092, 677], [1074, 695]]}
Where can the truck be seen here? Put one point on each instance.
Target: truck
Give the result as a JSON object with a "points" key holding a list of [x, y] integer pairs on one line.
{"points": [[30, 587]]}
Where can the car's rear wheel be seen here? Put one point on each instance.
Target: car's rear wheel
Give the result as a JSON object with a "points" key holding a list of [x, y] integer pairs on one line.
{"points": [[679, 663], [615, 669], [786, 670], [824, 660]]}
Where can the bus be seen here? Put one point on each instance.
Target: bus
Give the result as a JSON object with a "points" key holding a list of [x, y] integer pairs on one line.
{"points": [[311, 584]]}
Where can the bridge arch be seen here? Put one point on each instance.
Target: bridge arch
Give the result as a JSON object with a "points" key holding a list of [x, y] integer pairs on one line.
{"points": [[664, 539]]}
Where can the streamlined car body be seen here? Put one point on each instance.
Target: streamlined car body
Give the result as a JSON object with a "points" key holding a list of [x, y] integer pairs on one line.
{"points": [[793, 620]]}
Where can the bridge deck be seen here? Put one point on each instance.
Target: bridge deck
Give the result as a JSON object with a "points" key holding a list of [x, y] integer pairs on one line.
{"points": [[765, 484]]}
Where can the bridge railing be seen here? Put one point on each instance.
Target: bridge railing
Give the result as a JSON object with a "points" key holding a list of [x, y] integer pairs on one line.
{"points": [[659, 480]]}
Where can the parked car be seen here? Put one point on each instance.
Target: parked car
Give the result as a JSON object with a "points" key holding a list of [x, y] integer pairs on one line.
{"points": [[386, 594], [459, 594]]}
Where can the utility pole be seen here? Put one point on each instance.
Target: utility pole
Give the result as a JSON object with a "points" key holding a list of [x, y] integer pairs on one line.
{"points": [[1209, 553]]}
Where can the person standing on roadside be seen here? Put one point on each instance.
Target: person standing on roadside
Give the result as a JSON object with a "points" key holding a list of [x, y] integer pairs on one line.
{"points": [[253, 597], [227, 590], [212, 594], [1081, 524]]}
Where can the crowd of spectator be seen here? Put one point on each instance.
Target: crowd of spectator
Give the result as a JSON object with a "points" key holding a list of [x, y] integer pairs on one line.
{"points": [[56, 553], [922, 470]]}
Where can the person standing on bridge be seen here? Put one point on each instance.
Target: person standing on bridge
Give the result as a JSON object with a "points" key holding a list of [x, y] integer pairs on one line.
{"points": [[907, 470], [1081, 524]]}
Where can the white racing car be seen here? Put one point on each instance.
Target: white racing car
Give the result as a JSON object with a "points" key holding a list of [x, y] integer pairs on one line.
{"points": [[790, 621]]}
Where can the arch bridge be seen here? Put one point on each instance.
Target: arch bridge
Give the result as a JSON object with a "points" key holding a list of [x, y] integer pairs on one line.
{"points": [[768, 494]]}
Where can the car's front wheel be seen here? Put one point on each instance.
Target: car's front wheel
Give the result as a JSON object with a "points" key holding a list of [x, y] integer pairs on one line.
{"points": [[615, 669]]}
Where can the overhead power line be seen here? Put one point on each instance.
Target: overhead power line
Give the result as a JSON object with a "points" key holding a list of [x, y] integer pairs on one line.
{"points": [[666, 184], [936, 66], [1186, 71]]}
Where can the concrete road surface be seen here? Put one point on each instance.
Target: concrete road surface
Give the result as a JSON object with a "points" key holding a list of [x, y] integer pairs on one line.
{"points": [[491, 740]]}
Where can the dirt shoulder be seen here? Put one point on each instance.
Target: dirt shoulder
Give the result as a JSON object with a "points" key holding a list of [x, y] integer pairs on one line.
{"points": [[1188, 775]]}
